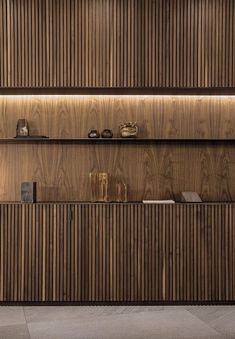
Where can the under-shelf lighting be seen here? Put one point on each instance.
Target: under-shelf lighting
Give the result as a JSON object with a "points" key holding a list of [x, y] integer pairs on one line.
{"points": [[119, 96]]}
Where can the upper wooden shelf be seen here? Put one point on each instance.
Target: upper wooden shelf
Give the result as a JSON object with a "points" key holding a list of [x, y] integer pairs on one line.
{"points": [[114, 141], [226, 91]]}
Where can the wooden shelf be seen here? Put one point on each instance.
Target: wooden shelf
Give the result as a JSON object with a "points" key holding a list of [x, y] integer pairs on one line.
{"points": [[114, 141], [114, 203], [117, 91]]}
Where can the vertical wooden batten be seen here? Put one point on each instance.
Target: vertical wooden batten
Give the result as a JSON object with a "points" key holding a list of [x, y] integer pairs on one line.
{"points": [[116, 43], [117, 252]]}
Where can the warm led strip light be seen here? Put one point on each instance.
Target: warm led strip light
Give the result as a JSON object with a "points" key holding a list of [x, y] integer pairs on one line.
{"points": [[118, 96]]}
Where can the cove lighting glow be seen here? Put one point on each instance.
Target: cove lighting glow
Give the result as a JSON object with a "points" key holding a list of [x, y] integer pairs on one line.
{"points": [[103, 96]]}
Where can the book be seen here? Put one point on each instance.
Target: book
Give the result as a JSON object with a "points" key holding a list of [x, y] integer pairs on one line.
{"points": [[158, 201], [190, 197]]}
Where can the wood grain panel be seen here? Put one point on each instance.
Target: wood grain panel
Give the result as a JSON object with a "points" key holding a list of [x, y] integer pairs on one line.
{"points": [[150, 171], [117, 43], [157, 116], [117, 252]]}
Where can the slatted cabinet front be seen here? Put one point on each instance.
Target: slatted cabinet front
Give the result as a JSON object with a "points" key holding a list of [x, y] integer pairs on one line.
{"points": [[117, 252]]}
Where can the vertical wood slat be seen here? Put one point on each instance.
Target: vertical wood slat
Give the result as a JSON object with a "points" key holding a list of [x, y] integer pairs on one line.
{"points": [[117, 43], [135, 252]]}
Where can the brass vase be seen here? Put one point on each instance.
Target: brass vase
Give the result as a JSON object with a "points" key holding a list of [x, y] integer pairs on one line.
{"points": [[99, 184]]}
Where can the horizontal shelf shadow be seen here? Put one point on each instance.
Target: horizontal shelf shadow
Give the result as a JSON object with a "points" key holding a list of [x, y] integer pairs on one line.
{"points": [[119, 141], [227, 91]]}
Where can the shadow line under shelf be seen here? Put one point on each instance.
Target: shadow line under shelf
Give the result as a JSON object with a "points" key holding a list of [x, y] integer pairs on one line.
{"points": [[115, 141]]}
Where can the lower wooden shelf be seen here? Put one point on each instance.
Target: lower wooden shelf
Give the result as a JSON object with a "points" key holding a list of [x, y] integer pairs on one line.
{"points": [[117, 252]]}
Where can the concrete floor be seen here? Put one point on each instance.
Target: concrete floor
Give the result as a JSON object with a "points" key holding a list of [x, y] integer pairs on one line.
{"points": [[109, 322]]}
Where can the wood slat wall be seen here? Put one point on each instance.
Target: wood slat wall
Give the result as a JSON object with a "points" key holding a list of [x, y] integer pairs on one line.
{"points": [[117, 43], [115, 252]]}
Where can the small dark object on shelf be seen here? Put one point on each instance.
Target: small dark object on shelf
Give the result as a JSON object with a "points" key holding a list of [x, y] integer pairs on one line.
{"points": [[190, 197], [28, 192], [22, 128], [107, 133], [93, 134]]}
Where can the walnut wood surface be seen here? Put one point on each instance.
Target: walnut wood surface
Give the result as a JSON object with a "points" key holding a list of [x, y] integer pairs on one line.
{"points": [[150, 171], [117, 43], [115, 252]]}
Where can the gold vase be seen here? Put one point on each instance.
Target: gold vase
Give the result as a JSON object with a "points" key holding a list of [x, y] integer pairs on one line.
{"points": [[99, 184]]}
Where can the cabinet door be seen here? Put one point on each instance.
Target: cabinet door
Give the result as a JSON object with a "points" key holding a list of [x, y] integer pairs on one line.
{"points": [[39, 259], [117, 43], [199, 253], [22, 250], [122, 257]]}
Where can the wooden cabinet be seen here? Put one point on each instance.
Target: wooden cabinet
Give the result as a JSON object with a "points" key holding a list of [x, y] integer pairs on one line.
{"points": [[117, 252], [117, 43]]}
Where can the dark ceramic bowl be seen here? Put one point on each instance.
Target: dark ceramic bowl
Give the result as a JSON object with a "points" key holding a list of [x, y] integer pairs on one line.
{"points": [[107, 133], [93, 134]]}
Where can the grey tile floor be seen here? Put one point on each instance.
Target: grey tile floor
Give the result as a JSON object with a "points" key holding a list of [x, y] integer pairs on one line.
{"points": [[107, 322]]}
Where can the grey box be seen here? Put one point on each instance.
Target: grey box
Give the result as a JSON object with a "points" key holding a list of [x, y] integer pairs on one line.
{"points": [[28, 192]]}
